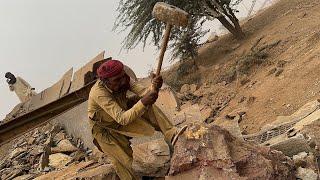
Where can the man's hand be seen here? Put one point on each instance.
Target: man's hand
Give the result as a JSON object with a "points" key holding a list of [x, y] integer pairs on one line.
{"points": [[156, 81], [149, 98], [11, 87]]}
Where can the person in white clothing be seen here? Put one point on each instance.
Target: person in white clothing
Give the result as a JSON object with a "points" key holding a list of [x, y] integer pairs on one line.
{"points": [[23, 89]]}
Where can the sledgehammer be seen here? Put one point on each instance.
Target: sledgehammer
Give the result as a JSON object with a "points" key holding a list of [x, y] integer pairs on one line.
{"points": [[170, 15]]}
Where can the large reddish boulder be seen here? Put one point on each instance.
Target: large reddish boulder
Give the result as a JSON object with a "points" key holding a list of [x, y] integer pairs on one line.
{"points": [[210, 152]]}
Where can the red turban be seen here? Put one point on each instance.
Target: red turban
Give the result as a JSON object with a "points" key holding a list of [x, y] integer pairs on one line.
{"points": [[109, 69]]}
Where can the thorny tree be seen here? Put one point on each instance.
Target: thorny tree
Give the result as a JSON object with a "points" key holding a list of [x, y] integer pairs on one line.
{"points": [[136, 16]]}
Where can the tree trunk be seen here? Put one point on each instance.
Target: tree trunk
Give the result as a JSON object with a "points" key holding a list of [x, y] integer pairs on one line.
{"points": [[235, 29]]}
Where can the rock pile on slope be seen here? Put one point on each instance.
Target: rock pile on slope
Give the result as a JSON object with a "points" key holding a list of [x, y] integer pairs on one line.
{"points": [[211, 98], [48, 150]]}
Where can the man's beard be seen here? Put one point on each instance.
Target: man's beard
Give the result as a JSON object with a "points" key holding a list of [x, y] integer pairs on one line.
{"points": [[126, 86]]}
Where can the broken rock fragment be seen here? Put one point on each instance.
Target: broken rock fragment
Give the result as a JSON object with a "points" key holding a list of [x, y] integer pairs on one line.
{"points": [[25, 177], [306, 174], [151, 158], [64, 146], [210, 152], [44, 158], [59, 160], [17, 152]]}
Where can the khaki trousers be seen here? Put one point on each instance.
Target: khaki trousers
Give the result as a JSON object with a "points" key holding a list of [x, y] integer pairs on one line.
{"points": [[116, 144]]}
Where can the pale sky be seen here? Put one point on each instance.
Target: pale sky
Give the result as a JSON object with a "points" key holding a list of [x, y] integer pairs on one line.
{"points": [[41, 39]]}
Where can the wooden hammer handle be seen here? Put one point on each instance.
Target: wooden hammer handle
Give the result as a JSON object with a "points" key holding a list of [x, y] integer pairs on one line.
{"points": [[163, 47]]}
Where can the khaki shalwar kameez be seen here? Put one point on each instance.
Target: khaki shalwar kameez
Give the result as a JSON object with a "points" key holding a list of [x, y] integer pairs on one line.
{"points": [[23, 89], [114, 122]]}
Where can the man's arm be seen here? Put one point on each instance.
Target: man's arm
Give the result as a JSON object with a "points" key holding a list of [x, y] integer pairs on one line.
{"points": [[138, 88], [110, 106]]}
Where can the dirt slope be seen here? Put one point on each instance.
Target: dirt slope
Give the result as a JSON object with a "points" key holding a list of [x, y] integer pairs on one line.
{"points": [[276, 66]]}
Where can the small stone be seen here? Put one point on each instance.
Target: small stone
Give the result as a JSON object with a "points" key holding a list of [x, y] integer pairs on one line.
{"points": [[19, 142], [185, 89], [193, 88], [89, 151], [36, 150], [47, 169], [306, 174], [36, 133], [13, 174], [55, 129], [278, 72], [59, 160], [209, 120], [272, 71], [251, 100], [223, 83], [44, 158], [244, 80], [40, 139], [3, 163], [281, 64], [302, 15], [49, 140], [25, 177], [236, 46], [31, 140], [23, 144], [216, 67], [206, 112], [300, 159], [79, 144], [17, 152], [58, 137], [237, 112], [242, 99], [64, 146], [78, 156]]}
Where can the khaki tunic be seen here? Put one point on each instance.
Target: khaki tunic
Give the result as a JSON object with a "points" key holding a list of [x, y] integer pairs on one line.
{"points": [[115, 119], [22, 89]]}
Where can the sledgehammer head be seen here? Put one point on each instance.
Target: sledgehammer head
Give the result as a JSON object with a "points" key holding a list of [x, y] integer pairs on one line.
{"points": [[170, 14]]}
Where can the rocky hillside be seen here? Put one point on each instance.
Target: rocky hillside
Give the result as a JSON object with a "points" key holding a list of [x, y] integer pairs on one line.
{"points": [[272, 72]]}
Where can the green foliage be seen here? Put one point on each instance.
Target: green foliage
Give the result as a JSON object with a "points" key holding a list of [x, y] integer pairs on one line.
{"points": [[185, 45], [136, 16]]}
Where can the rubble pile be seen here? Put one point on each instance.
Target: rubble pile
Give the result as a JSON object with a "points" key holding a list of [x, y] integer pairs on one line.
{"points": [[286, 149], [48, 152], [212, 99]]}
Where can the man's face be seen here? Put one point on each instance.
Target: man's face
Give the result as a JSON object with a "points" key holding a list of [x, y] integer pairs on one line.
{"points": [[11, 79], [118, 83], [9, 76]]}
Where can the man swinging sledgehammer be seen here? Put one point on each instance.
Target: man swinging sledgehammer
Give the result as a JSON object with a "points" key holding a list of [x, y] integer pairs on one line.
{"points": [[115, 118]]}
